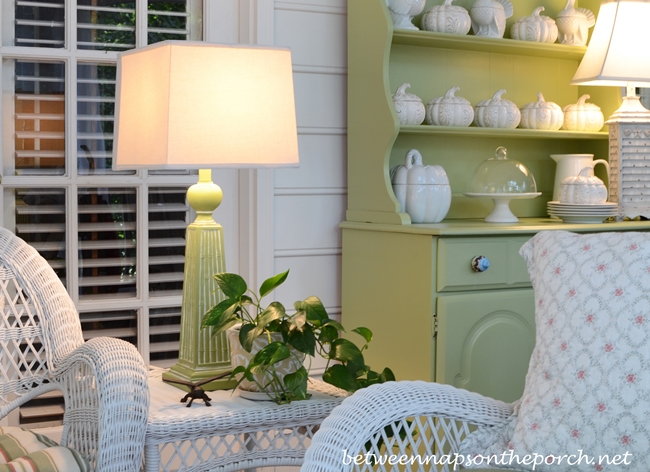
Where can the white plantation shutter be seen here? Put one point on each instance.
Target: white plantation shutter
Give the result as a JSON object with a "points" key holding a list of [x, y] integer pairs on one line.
{"points": [[105, 25], [168, 218], [39, 23], [40, 219], [115, 239], [164, 329]]}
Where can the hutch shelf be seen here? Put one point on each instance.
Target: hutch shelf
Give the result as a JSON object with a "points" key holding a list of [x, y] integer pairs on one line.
{"points": [[412, 284]]}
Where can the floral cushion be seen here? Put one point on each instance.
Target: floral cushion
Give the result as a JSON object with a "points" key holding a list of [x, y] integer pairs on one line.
{"points": [[586, 403], [25, 451]]}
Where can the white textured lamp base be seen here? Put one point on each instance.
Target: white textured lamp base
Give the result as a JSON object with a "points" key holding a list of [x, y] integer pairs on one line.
{"points": [[629, 159]]}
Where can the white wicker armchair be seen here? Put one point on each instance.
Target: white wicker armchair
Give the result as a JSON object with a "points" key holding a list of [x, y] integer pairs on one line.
{"points": [[103, 381], [411, 418]]}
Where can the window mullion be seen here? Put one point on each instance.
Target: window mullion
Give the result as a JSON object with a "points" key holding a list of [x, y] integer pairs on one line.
{"points": [[141, 23], [72, 224], [71, 25]]}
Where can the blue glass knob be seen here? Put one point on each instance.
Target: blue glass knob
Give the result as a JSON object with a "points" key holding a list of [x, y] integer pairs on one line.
{"points": [[480, 264]]}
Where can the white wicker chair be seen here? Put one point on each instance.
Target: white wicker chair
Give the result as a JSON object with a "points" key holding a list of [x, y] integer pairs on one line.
{"points": [[104, 380], [429, 420]]}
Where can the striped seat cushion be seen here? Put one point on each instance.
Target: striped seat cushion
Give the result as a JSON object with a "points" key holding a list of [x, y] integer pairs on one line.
{"points": [[22, 450]]}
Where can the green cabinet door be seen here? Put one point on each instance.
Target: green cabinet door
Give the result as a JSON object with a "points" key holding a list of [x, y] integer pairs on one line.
{"points": [[485, 340]]}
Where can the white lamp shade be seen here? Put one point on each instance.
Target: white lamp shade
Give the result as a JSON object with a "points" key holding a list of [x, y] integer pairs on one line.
{"points": [[182, 105], [619, 52]]}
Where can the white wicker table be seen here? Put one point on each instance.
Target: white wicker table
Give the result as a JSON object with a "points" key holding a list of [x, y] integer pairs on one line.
{"points": [[233, 433]]}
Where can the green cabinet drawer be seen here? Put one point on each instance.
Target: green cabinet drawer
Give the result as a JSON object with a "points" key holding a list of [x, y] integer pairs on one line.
{"points": [[507, 268]]}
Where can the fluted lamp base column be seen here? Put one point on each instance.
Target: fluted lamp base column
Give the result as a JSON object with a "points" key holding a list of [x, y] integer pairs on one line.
{"points": [[201, 355]]}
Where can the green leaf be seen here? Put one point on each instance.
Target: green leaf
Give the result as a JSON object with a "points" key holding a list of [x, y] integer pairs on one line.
{"points": [[272, 283], [296, 384], [314, 310], [328, 334], [349, 355], [344, 351], [339, 376], [271, 353], [274, 311], [298, 320], [335, 324], [225, 325], [232, 285], [303, 340], [365, 332], [386, 375], [247, 335], [218, 313]]}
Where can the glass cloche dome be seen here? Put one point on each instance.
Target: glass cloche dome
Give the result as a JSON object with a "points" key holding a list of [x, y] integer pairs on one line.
{"points": [[502, 180], [500, 175]]}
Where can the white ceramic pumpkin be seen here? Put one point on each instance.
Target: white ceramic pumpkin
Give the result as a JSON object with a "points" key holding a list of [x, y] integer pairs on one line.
{"points": [[422, 191], [497, 112], [536, 27], [582, 116], [408, 106], [450, 110], [446, 18], [584, 188], [541, 115]]}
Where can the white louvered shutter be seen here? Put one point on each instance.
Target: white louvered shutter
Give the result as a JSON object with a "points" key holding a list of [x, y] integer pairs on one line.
{"points": [[116, 239]]}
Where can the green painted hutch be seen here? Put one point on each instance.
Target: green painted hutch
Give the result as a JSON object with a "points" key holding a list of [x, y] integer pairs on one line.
{"points": [[433, 317]]}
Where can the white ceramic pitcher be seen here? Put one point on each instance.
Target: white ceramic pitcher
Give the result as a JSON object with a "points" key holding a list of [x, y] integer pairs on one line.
{"points": [[570, 165]]}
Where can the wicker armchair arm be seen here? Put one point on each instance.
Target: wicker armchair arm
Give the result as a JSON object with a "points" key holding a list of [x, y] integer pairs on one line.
{"points": [[104, 382], [362, 417]]}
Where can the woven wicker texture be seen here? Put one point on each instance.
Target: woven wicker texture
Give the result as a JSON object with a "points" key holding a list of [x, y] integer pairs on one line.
{"points": [[410, 418], [103, 381], [234, 433]]}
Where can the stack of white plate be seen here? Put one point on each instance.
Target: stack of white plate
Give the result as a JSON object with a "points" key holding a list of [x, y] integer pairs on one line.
{"points": [[577, 213]]}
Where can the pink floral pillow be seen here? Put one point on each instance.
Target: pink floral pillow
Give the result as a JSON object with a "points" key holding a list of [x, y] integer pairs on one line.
{"points": [[586, 404]]}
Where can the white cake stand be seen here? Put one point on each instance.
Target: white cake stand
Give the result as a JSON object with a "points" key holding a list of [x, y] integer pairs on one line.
{"points": [[502, 212]]}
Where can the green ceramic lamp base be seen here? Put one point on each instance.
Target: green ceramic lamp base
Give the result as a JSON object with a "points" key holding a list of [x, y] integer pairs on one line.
{"points": [[202, 356]]}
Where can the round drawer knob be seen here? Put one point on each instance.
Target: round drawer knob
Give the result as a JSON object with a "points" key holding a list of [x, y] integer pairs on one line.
{"points": [[480, 264]]}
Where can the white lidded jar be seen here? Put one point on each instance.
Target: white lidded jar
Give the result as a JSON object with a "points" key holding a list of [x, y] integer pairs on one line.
{"points": [[584, 189], [408, 106], [422, 191]]}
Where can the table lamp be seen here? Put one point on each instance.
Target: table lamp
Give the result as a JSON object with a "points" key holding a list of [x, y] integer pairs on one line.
{"points": [[618, 55], [186, 105]]}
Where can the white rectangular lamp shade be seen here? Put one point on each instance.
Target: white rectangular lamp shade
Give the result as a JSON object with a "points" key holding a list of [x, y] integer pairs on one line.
{"points": [[183, 105], [619, 49]]}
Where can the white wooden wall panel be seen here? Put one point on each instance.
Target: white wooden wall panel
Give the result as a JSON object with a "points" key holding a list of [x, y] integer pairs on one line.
{"points": [[310, 201], [320, 100], [311, 275], [322, 163], [308, 221], [330, 48], [227, 215]]}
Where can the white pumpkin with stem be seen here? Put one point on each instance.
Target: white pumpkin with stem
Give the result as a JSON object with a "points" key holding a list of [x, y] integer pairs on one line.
{"points": [[497, 112], [541, 115], [450, 110], [408, 106], [446, 18], [583, 189], [582, 116], [536, 27]]}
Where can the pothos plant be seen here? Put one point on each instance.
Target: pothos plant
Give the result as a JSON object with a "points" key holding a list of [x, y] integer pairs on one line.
{"points": [[308, 330]]}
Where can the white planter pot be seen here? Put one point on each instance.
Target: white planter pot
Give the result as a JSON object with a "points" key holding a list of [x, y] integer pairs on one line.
{"points": [[241, 357]]}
